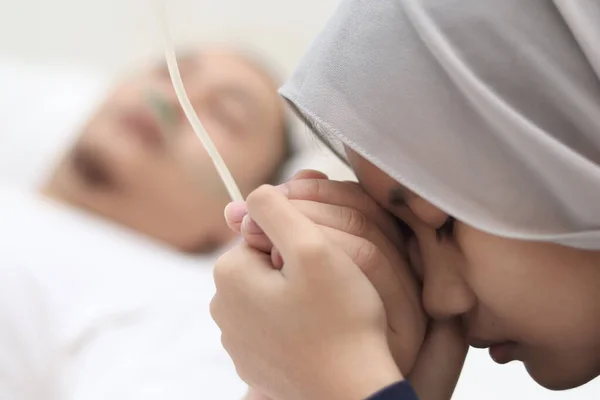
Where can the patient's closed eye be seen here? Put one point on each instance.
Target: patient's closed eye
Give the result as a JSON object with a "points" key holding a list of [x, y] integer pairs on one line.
{"points": [[234, 108], [228, 112]]}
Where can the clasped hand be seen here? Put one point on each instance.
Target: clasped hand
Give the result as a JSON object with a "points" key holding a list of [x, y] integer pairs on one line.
{"points": [[319, 302]]}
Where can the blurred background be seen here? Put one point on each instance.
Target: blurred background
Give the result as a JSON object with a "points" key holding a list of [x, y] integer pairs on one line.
{"points": [[85, 45], [57, 58], [113, 35]]}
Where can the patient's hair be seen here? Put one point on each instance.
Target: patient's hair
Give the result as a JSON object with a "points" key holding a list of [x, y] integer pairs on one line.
{"points": [[277, 175]]}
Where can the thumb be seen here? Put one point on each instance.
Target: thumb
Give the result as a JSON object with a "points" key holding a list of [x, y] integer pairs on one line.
{"points": [[291, 232], [441, 359]]}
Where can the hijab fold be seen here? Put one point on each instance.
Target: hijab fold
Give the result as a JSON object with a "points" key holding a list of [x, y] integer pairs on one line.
{"points": [[488, 109]]}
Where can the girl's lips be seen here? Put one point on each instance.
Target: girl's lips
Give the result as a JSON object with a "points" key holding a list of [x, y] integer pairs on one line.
{"points": [[503, 353], [500, 352]]}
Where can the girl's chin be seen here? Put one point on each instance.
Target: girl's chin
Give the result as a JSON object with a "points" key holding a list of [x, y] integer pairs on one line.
{"points": [[556, 377]]}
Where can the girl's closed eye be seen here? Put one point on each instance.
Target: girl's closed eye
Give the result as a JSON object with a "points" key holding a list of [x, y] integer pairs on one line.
{"points": [[446, 231]]}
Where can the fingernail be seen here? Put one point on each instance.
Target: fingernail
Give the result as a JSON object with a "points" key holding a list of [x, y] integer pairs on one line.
{"points": [[250, 227], [284, 188], [235, 212], [276, 259]]}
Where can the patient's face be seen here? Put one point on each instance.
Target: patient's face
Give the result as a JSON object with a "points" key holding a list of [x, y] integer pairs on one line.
{"points": [[123, 167]]}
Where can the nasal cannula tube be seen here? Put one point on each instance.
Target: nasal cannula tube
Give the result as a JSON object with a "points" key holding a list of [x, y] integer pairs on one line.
{"points": [[188, 109]]}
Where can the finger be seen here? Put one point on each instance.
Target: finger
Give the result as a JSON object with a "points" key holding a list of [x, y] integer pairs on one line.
{"points": [[309, 174], [440, 362], [234, 215], [236, 211], [347, 219], [240, 275], [254, 235], [342, 218], [291, 232], [400, 297], [242, 267], [338, 218], [392, 277], [345, 194]]}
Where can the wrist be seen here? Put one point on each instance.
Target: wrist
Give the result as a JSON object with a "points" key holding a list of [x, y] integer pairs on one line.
{"points": [[361, 376], [371, 382]]}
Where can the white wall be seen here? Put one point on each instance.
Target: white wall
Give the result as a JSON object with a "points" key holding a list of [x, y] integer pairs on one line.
{"points": [[112, 34]]}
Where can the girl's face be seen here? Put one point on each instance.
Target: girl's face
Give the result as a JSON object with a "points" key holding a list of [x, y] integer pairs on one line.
{"points": [[538, 303]]}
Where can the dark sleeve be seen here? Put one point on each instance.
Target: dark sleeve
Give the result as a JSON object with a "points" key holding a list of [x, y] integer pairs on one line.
{"points": [[398, 391]]}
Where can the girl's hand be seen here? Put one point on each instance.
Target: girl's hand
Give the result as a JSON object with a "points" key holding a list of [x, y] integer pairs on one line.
{"points": [[353, 221], [316, 329], [350, 219], [255, 395]]}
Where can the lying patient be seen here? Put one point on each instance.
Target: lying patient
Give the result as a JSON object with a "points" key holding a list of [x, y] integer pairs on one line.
{"points": [[92, 304], [127, 167]]}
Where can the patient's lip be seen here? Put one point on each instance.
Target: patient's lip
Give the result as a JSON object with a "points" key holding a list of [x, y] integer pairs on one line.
{"points": [[146, 127]]}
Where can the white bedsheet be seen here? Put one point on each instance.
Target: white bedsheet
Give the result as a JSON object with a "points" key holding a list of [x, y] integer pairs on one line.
{"points": [[41, 109], [89, 311]]}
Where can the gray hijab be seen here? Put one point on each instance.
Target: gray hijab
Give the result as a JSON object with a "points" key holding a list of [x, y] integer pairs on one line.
{"points": [[489, 109]]}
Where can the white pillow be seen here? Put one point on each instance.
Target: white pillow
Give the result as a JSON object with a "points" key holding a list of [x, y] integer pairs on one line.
{"points": [[42, 107]]}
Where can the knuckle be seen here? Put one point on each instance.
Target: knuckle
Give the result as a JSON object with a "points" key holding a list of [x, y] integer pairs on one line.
{"points": [[226, 344], [259, 195], [308, 189], [367, 256], [314, 189], [354, 221], [214, 310], [241, 372]]}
